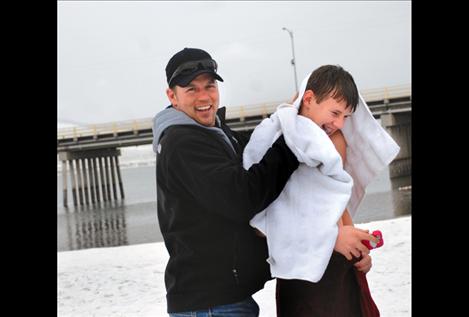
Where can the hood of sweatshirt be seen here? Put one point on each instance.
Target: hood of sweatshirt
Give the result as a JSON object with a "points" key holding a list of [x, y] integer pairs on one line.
{"points": [[170, 116]]}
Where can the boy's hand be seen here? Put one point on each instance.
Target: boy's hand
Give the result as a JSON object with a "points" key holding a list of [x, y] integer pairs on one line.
{"points": [[349, 242], [364, 265]]}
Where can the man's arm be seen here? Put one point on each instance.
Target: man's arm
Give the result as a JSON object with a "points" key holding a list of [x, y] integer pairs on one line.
{"points": [[197, 163]]}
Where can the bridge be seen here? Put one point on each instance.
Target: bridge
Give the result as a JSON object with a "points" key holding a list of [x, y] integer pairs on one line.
{"points": [[92, 152]]}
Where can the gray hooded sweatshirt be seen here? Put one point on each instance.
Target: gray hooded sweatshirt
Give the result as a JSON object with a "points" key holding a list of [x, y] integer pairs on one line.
{"points": [[170, 116]]}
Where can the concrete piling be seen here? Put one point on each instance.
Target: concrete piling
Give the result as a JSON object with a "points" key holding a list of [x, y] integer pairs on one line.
{"points": [[80, 182], [64, 181], [103, 180], [113, 178], [106, 175], [399, 127], [91, 179], [95, 171], [85, 181], [91, 175], [121, 187], [74, 184]]}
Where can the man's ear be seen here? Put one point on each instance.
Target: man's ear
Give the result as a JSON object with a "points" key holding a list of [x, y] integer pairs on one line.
{"points": [[172, 97]]}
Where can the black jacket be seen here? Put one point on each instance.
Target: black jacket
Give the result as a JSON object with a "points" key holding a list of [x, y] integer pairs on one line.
{"points": [[205, 200]]}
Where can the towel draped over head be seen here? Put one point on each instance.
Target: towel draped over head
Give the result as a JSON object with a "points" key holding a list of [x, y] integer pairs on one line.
{"points": [[369, 147], [301, 224]]}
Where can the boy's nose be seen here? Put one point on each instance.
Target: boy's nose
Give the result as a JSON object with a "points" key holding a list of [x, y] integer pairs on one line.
{"points": [[339, 123]]}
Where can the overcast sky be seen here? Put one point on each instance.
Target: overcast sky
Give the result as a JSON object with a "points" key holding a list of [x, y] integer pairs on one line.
{"points": [[112, 54]]}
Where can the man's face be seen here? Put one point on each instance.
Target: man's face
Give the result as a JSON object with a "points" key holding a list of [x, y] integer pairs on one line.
{"points": [[330, 114], [199, 100]]}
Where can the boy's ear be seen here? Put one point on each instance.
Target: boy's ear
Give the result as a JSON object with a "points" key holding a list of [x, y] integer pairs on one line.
{"points": [[308, 97]]}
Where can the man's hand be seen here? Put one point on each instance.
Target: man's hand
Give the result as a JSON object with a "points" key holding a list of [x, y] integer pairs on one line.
{"points": [[294, 98], [349, 242], [364, 265], [259, 233]]}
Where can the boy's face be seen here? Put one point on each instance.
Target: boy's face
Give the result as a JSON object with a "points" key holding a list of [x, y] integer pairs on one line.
{"points": [[199, 100], [330, 114]]}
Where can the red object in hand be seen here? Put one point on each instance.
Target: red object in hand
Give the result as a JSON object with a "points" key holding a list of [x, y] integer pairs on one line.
{"points": [[370, 244]]}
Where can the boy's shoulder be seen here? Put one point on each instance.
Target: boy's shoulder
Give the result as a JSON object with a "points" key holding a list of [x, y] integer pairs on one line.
{"points": [[339, 142], [337, 136]]}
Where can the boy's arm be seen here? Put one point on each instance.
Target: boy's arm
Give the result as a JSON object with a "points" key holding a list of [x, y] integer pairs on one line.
{"points": [[338, 140], [348, 240], [346, 219]]}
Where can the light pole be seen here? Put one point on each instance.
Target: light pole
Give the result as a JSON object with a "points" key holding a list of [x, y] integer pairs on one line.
{"points": [[293, 59]]}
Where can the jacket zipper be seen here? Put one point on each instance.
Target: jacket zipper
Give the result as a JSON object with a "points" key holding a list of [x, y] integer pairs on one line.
{"points": [[234, 270]]}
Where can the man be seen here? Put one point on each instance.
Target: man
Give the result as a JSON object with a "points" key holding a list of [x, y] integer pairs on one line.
{"points": [[206, 198]]}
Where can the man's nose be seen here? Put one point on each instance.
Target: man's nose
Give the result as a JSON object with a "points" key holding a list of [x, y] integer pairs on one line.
{"points": [[203, 95]]}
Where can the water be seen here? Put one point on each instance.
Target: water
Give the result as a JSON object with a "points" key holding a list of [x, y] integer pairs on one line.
{"points": [[134, 221]]}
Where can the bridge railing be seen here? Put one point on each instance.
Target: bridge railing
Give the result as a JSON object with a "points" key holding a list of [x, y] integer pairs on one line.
{"points": [[105, 128], [244, 111], [241, 112], [386, 93]]}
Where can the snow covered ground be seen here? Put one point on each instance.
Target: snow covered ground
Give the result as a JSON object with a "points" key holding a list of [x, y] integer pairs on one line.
{"points": [[129, 280]]}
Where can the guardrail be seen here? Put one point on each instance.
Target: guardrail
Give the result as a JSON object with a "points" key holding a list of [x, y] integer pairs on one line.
{"points": [[264, 109], [113, 128], [386, 93]]}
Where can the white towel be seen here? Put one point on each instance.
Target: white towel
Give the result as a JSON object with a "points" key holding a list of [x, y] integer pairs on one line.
{"points": [[301, 224], [369, 147], [369, 150]]}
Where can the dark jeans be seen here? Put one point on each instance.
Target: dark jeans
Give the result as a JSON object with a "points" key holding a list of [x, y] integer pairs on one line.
{"points": [[245, 308]]}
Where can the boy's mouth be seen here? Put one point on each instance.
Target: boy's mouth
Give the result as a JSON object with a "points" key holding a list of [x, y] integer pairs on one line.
{"points": [[328, 130]]}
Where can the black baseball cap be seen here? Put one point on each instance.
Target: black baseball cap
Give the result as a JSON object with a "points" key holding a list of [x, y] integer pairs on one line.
{"points": [[187, 64]]}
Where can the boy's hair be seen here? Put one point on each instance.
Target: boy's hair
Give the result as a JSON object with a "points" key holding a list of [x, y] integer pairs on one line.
{"points": [[333, 79]]}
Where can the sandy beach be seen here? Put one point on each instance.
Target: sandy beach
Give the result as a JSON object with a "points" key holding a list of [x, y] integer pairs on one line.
{"points": [[129, 280]]}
